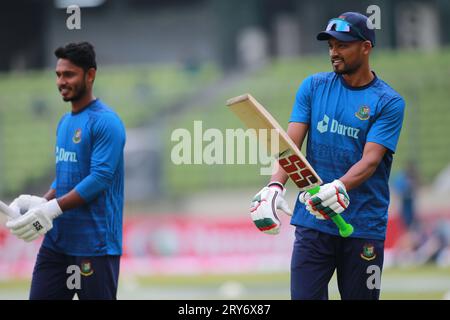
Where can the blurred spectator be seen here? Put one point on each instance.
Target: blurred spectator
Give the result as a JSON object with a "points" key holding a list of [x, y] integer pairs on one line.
{"points": [[429, 245], [441, 185], [442, 233], [422, 242], [406, 185]]}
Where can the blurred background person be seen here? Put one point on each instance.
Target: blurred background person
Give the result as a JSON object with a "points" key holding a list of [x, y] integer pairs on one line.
{"points": [[406, 185]]}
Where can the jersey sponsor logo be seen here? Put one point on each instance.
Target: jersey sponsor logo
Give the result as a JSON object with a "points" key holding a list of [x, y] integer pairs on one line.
{"points": [[363, 113], [335, 127], [65, 156], [322, 126], [77, 136], [368, 252]]}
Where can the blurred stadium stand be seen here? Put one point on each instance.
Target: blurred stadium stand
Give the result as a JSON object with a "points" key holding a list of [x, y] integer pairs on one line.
{"points": [[140, 31]]}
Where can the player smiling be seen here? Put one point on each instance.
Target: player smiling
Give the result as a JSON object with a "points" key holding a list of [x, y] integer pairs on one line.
{"points": [[355, 168], [81, 214]]}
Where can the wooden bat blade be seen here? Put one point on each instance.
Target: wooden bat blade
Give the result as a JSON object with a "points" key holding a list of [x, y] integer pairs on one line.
{"points": [[255, 116]]}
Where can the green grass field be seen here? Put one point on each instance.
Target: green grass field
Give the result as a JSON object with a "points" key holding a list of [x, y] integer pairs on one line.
{"points": [[415, 283]]}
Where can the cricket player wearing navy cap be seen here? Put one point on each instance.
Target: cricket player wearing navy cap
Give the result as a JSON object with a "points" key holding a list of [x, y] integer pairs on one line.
{"points": [[81, 214], [353, 120]]}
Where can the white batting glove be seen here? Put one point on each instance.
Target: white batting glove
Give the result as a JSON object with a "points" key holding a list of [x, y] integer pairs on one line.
{"points": [[37, 221], [25, 202], [332, 199], [264, 207]]}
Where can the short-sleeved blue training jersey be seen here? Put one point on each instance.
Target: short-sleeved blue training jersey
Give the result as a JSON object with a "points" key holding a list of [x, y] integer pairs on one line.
{"points": [[342, 120], [89, 159]]}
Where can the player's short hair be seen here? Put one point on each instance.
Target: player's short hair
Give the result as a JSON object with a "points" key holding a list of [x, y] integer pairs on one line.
{"points": [[81, 54]]}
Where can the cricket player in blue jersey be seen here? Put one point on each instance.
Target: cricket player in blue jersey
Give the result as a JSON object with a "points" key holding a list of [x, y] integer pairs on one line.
{"points": [[81, 214], [353, 120]]}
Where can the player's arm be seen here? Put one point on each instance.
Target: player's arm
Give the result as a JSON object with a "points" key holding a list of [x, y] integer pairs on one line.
{"points": [[362, 170], [70, 200], [297, 132], [109, 140], [50, 194], [383, 136], [333, 197]]}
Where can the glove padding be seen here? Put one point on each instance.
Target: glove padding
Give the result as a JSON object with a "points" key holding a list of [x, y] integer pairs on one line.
{"points": [[332, 199], [35, 222], [25, 202], [264, 207]]}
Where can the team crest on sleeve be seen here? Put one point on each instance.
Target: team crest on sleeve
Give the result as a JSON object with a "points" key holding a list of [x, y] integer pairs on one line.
{"points": [[86, 268], [77, 136], [363, 113], [368, 252]]}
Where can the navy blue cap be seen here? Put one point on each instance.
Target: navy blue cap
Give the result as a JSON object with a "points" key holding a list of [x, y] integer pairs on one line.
{"points": [[359, 29]]}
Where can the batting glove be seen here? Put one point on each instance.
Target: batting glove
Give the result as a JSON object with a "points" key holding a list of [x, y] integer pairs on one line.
{"points": [[25, 202], [264, 207], [304, 198], [332, 199], [37, 221]]}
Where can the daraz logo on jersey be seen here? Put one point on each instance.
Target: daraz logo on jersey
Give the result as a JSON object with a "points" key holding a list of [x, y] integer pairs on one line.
{"points": [[336, 127], [65, 156]]}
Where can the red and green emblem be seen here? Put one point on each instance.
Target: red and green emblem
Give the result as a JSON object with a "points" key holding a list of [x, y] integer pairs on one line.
{"points": [[86, 268], [77, 136], [363, 113], [368, 252]]}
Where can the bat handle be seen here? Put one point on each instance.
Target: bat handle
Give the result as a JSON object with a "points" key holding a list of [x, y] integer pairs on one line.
{"points": [[345, 229], [4, 208]]}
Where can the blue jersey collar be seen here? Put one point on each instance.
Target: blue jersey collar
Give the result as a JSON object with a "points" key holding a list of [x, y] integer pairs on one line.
{"points": [[86, 107], [345, 84]]}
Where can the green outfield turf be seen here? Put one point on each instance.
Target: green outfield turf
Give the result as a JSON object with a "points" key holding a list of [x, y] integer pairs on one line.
{"points": [[415, 283]]}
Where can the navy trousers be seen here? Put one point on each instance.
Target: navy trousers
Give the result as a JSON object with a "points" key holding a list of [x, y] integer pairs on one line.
{"points": [[57, 276], [316, 255]]}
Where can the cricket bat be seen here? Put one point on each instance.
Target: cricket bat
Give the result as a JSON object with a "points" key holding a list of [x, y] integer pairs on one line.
{"points": [[8, 211], [255, 116]]}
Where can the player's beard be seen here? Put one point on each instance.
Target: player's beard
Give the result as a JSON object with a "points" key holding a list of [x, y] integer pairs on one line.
{"points": [[347, 68], [78, 92]]}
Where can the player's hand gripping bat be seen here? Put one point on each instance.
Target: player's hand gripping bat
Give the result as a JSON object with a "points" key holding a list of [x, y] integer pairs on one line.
{"points": [[255, 116]]}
